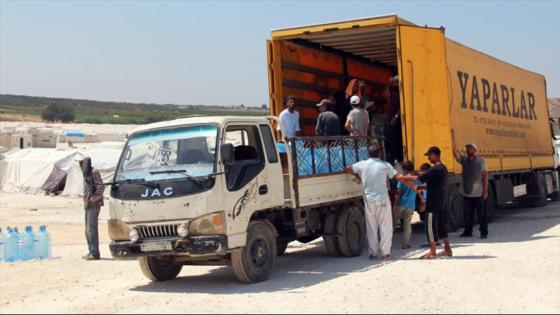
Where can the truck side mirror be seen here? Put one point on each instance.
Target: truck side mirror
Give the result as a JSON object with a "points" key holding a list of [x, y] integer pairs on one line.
{"points": [[226, 150]]}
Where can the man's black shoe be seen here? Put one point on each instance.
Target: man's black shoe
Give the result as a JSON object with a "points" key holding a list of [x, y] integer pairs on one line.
{"points": [[483, 237], [466, 235], [92, 257]]}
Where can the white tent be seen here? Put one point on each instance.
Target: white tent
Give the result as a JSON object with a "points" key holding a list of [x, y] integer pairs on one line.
{"points": [[37, 170], [104, 157], [26, 170]]}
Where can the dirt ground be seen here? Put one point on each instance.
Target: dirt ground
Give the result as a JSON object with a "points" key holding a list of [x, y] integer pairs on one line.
{"points": [[517, 269]]}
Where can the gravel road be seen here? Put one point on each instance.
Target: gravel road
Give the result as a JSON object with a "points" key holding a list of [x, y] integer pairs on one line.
{"points": [[517, 269]]}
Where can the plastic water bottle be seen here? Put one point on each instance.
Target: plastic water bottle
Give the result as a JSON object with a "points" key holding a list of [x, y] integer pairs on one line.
{"points": [[43, 246], [27, 244], [1, 245], [18, 244], [11, 246]]}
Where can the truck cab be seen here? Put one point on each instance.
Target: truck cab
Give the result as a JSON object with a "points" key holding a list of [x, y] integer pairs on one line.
{"points": [[216, 190]]}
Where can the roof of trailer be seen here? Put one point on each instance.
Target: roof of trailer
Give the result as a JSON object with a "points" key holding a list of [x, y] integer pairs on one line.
{"points": [[371, 38], [297, 31], [201, 120]]}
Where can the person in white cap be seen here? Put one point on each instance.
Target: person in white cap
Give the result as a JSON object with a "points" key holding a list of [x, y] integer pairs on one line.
{"points": [[475, 188], [357, 122]]}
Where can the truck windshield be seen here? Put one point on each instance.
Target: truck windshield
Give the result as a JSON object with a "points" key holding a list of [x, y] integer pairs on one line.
{"points": [[149, 154]]}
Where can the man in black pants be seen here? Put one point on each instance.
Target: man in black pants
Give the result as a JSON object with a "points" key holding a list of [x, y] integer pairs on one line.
{"points": [[475, 188], [436, 179]]}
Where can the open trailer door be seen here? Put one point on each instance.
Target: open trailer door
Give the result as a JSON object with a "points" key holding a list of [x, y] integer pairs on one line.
{"points": [[424, 92]]}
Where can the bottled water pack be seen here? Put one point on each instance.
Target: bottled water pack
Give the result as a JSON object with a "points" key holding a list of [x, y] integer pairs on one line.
{"points": [[15, 246]]}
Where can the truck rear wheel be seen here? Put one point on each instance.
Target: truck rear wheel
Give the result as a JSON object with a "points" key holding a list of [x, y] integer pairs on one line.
{"points": [[159, 268], [253, 263], [329, 234], [351, 228]]}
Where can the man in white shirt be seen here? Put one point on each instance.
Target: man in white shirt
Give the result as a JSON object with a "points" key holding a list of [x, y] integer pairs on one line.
{"points": [[290, 118], [374, 174]]}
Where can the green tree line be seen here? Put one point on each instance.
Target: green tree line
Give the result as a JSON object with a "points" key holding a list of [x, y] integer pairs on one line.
{"points": [[90, 111]]}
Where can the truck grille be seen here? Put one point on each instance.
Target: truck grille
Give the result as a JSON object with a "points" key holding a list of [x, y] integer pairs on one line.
{"points": [[157, 231]]}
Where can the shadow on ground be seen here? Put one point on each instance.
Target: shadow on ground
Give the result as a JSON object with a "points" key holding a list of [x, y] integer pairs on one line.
{"points": [[308, 265]]}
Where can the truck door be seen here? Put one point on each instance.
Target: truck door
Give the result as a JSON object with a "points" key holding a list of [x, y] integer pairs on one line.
{"points": [[424, 92], [248, 183]]}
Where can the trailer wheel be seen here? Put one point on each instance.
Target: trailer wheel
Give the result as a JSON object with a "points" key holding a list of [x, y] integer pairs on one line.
{"points": [[329, 237], [159, 268], [536, 188], [351, 227], [455, 211], [253, 263], [490, 205]]}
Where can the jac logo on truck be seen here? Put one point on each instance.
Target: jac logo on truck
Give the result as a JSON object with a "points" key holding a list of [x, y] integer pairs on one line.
{"points": [[156, 192], [501, 100]]}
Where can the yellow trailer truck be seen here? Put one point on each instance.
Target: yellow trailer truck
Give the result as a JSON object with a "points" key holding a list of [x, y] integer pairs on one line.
{"points": [[443, 85]]}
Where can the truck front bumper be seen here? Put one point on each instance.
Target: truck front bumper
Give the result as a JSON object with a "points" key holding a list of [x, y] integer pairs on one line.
{"points": [[188, 246]]}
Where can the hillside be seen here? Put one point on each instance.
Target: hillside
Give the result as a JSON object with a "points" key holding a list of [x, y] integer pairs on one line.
{"points": [[18, 107]]}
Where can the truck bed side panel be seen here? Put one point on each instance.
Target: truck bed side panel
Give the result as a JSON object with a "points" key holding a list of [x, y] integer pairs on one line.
{"points": [[327, 189]]}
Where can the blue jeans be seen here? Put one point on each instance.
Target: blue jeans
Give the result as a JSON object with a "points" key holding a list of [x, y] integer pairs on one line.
{"points": [[92, 233]]}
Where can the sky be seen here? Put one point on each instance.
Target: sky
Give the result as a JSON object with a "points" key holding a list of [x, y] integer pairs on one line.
{"points": [[214, 53]]}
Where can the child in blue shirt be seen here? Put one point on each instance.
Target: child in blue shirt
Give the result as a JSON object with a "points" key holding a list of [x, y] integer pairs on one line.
{"points": [[405, 205]]}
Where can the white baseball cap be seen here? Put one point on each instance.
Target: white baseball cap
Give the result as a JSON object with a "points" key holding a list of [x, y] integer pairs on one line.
{"points": [[355, 100], [471, 144]]}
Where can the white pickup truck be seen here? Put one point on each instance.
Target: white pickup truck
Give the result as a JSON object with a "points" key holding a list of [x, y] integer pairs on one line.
{"points": [[222, 191]]}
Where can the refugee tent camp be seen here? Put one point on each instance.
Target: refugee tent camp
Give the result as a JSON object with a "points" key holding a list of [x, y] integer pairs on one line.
{"points": [[26, 170], [39, 170]]}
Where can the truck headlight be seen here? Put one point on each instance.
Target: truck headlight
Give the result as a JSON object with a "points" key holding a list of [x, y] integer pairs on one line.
{"points": [[118, 230], [208, 225], [182, 230], [133, 235]]}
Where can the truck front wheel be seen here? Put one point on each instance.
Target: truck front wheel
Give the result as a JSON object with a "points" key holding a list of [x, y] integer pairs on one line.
{"points": [[253, 263], [159, 268]]}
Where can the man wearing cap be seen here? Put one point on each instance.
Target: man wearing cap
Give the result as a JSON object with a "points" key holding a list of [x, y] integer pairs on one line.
{"points": [[373, 175], [475, 188], [357, 122], [327, 122], [436, 179]]}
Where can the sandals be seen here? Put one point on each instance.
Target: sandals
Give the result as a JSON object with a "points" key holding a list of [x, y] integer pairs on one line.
{"points": [[445, 253], [429, 255], [406, 246]]}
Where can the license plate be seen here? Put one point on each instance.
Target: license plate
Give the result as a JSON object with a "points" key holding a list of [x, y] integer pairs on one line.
{"points": [[156, 246]]}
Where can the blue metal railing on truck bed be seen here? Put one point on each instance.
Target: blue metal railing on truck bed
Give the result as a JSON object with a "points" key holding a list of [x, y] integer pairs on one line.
{"points": [[316, 156]]}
